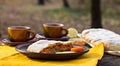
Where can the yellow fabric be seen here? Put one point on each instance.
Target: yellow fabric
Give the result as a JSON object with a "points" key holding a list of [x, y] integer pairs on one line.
{"points": [[17, 59], [6, 51]]}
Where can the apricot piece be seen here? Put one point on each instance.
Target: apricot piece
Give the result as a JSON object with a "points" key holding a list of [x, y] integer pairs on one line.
{"points": [[80, 43], [77, 49]]}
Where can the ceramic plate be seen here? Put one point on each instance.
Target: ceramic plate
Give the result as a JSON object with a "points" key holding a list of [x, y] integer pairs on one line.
{"points": [[8, 42], [22, 48], [41, 36], [37, 37]]}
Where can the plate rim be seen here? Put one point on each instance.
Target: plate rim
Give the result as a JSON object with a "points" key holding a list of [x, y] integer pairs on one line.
{"points": [[46, 56], [87, 49], [8, 42], [64, 38]]}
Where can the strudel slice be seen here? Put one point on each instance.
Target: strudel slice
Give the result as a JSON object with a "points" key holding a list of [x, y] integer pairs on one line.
{"points": [[49, 46]]}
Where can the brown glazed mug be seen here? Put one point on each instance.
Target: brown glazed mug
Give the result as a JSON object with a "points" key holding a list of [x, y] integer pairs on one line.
{"points": [[54, 30], [20, 33]]}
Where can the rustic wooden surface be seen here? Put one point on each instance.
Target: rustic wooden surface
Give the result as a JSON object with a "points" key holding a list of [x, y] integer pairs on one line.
{"points": [[109, 60]]}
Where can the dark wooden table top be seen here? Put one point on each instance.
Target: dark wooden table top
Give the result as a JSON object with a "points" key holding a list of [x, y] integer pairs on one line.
{"points": [[109, 60]]}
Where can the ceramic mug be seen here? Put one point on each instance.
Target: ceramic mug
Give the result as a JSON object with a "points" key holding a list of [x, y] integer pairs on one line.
{"points": [[54, 30], [20, 33]]}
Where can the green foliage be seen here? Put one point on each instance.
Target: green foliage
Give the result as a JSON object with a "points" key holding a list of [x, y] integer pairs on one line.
{"points": [[65, 13], [111, 13]]}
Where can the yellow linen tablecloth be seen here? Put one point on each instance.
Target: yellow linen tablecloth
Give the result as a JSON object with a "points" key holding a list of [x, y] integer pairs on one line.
{"points": [[10, 57]]}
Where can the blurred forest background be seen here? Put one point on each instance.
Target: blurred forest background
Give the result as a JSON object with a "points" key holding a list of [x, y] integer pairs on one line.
{"points": [[30, 13]]}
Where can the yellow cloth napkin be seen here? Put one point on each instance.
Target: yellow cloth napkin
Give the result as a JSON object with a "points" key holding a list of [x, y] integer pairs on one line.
{"points": [[17, 59], [6, 51]]}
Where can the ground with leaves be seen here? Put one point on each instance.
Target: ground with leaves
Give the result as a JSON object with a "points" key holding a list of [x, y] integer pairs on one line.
{"points": [[33, 15]]}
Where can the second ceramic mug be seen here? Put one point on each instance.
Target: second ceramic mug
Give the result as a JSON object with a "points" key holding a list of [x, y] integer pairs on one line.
{"points": [[20, 33], [54, 30]]}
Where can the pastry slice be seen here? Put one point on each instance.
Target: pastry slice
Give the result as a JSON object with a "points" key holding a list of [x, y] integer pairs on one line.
{"points": [[49, 46]]}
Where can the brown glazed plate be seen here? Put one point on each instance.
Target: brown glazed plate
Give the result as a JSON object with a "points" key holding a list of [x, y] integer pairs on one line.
{"points": [[37, 37], [8, 42], [41, 36], [23, 49]]}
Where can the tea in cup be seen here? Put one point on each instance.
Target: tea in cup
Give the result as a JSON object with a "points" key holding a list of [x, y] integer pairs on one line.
{"points": [[54, 30], [20, 33]]}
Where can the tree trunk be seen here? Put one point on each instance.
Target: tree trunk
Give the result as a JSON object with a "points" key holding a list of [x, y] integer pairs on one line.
{"points": [[41, 2], [66, 4], [0, 35], [96, 14]]}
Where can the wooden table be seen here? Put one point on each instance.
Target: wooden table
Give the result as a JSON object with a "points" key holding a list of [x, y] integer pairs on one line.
{"points": [[109, 60]]}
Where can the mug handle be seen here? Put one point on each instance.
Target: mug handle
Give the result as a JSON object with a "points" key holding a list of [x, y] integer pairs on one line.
{"points": [[32, 35], [66, 32]]}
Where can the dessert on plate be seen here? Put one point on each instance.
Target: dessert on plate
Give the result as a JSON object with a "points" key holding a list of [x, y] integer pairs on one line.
{"points": [[56, 47], [49, 46]]}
